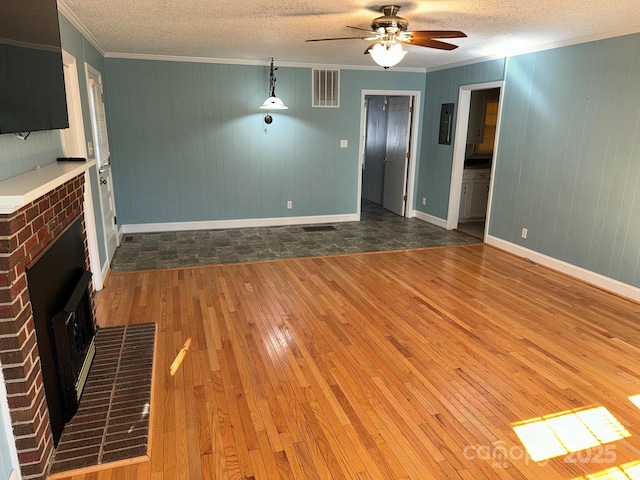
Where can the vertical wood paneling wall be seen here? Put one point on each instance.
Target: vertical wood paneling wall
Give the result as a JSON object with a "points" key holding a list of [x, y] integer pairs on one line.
{"points": [[189, 142], [434, 177], [568, 163], [20, 156]]}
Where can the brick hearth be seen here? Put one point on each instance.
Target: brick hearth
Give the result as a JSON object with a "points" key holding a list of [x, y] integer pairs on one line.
{"points": [[24, 234]]}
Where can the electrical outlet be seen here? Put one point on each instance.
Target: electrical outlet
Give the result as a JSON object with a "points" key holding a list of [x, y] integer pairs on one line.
{"points": [[424, 200], [289, 204], [524, 233], [344, 143]]}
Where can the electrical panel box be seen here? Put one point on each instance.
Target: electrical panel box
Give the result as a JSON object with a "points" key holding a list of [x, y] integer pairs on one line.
{"points": [[446, 120]]}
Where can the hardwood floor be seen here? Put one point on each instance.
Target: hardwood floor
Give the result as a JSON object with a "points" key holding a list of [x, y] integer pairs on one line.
{"points": [[400, 365]]}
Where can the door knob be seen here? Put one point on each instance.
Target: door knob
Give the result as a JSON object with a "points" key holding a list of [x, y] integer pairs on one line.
{"points": [[103, 181]]}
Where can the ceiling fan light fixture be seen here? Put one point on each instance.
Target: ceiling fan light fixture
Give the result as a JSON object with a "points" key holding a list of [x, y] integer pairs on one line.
{"points": [[387, 55]]}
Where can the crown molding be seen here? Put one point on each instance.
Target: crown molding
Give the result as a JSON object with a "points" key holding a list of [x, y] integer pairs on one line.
{"points": [[75, 21], [234, 61]]}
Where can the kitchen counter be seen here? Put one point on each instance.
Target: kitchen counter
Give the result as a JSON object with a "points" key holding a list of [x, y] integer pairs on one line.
{"points": [[478, 162], [477, 166]]}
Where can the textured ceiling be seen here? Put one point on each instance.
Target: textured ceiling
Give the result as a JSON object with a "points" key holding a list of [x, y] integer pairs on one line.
{"points": [[260, 29]]}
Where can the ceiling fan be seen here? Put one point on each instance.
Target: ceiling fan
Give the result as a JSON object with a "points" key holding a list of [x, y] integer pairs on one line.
{"points": [[389, 31]]}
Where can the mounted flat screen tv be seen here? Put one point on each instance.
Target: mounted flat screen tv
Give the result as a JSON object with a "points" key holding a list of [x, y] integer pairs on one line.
{"points": [[32, 95]]}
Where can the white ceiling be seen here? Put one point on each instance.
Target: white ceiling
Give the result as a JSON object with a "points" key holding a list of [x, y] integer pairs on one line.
{"points": [[257, 30]]}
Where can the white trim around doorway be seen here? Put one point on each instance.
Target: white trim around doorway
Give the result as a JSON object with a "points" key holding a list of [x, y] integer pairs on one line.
{"points": [[413, 147], [459, 148]]}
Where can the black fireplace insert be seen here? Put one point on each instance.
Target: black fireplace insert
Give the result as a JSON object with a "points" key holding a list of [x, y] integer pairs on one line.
{"points": [[58, 286]]}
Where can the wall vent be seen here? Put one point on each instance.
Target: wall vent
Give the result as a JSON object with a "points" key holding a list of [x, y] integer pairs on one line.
{"points": [[326, 88]]}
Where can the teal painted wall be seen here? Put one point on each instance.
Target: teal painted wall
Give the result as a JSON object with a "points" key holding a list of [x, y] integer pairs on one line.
{"points": [[20, 156], [568, 163], [189, 142], [436, 161], [78, 46]]}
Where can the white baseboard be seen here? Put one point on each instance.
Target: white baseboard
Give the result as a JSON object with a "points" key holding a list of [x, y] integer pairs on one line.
{"points": [[240, 223], [105, 272], [596, 279], [430, 219]]}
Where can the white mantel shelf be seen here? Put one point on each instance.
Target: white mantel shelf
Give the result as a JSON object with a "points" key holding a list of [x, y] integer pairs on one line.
{"points": [[16, 192]]}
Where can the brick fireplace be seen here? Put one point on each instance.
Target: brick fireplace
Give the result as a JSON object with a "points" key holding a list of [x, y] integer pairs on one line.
{"points": [[24, 234]]}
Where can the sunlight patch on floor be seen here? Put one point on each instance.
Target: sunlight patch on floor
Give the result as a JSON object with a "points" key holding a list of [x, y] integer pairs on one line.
{"points": [[179, 358], [566, 432], [628, 471]]}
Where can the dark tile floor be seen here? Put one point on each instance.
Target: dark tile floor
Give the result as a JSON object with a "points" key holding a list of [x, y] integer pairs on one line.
{"points": [[378, 230]]}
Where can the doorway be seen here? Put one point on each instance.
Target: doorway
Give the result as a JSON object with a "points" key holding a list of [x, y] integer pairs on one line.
{"points": [[387, 173], [474, 154]]}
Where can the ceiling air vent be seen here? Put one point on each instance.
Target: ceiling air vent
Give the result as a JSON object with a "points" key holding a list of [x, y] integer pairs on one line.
{"points": [[326, 88]]}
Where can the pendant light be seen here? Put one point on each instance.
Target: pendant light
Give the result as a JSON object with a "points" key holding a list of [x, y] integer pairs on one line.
{"points": [[272, 102]]}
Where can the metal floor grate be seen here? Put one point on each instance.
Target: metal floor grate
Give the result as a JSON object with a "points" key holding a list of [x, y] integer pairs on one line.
{"points": [[320, 228]]}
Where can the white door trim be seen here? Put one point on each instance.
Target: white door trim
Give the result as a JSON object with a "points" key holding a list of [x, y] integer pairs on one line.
{"points": [[459, 149], [72, 86], [413, 161]]}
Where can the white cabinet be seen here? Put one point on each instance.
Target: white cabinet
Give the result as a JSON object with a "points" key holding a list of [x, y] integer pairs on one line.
{"points": [[475, 194], [464, 194]]}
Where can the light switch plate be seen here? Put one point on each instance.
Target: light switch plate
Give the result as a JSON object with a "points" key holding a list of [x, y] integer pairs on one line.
{"points": [[344, 143]]}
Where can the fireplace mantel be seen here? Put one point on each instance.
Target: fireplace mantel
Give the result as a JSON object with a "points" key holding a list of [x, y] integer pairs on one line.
{"points": [[16, 192]]}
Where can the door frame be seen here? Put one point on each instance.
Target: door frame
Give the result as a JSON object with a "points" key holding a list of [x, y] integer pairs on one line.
{"points": [[459, 150], [409, 210], [76, 120]]}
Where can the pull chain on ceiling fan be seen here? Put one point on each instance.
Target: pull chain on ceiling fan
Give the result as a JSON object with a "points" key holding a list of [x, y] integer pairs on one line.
{"points": [[390, 31]]}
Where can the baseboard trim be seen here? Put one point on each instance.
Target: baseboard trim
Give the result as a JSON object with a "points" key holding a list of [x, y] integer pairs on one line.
{"points": [[425, 217], [106, 270], [596, 279], [240, 223]]}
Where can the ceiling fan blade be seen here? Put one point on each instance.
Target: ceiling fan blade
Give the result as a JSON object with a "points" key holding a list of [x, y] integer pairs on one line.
{"points": [[338, 38], [430, 43], [424, 34], [368, 30], [366, 52]]}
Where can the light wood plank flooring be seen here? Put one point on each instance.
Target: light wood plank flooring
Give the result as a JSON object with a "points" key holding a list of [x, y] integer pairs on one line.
{"points": [[402, 365]]}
